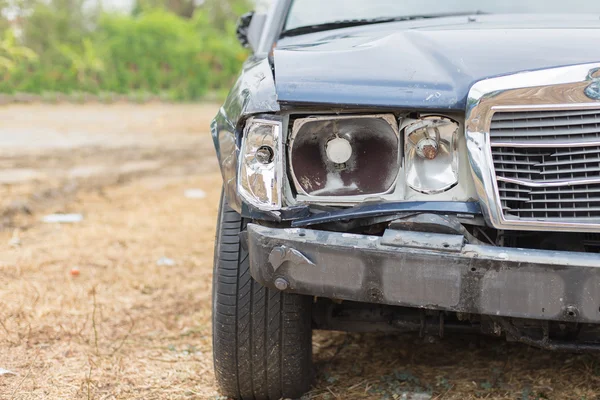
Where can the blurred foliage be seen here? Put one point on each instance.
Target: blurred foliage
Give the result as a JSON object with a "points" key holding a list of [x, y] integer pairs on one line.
{"points": [[162, 49], [12, 54], [183, 8]]}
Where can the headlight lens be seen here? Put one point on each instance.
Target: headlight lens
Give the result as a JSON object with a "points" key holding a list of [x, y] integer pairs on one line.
{"points": [[431, 154], [260, 170]]}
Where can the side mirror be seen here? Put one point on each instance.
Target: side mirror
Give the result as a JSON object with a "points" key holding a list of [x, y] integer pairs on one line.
{"points": [[243, 29]]}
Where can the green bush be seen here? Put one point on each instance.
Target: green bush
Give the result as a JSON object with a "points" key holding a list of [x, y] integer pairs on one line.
{"points": [[154, 52]]}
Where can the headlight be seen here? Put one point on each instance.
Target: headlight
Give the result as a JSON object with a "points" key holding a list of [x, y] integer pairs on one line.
{"points": [[260, 170], [349, 157], [431, 154]]}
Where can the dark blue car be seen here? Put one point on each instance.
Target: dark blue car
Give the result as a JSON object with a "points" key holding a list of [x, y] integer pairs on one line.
{"points": [[407, 165]]}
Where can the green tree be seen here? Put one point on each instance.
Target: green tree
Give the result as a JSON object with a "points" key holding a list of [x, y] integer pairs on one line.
{"points": [[85, 63], [56, 21], [156, 51], [3, 20], [219, 10], [224, 14], [183, 8], [11, 53]]}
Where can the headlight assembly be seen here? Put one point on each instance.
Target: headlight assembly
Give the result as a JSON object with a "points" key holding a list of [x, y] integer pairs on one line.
{"points": [[260, 168], [346, 157], [431, 158]]}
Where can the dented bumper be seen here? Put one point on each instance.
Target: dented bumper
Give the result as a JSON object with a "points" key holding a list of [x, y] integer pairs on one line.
{"points": [[427, 270]]}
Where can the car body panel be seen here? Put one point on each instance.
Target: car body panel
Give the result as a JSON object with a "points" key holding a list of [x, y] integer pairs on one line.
{"points": [[253, 93], [426, 64]]}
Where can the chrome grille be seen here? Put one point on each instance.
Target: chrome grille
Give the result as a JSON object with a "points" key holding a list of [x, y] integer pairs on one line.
{"points": [[547, 164], [516, 128], [556, 203]]}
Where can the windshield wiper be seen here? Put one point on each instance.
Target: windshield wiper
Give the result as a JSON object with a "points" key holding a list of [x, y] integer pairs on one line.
{"points": [[301, 30]]}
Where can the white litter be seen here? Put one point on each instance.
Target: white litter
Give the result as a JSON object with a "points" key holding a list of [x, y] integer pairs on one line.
{"points": [[63, 218], [15, 240], [165, 262], [416, 396], [6, 372], [195, 194]]}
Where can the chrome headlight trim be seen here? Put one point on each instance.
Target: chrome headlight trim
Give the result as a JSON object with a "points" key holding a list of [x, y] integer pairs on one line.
{"points": [[275, 168], [545, 90]]}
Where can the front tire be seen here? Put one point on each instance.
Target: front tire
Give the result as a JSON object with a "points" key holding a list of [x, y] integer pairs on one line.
{"points": [[262, 338]]}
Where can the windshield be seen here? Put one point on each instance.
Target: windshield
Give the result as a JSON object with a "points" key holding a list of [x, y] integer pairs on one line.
{"points": [[316, 12]]}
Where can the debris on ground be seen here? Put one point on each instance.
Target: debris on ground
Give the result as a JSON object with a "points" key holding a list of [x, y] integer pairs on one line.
{"points": [[416, 396], [62, 218], [6, 372], [75, 271], [15, 240], [165, 262], [195, 194]]}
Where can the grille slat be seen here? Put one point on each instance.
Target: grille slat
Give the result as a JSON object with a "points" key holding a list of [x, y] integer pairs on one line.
{"points": [[563, 191], [516, 190], [521, 153], [547, 164], [576, 153], [539, 123], [517, 162], [520, 115], [557, 210], [518, 170], [514, 198], [562, 200], [569, 162], [572, 171], [548, 143], [570, 131]]}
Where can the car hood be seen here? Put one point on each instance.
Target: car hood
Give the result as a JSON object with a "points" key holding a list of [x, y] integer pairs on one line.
{"points": [[426, 64]]}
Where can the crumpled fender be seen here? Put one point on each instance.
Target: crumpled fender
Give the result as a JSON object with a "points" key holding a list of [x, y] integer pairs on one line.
{"points": [[253, 93]]}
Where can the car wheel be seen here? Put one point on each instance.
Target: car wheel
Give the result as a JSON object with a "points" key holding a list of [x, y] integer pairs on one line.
{"points": [[262, 338]]}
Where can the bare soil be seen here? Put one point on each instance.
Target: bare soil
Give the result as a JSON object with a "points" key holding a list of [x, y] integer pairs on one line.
{"points": [[93, 310]]}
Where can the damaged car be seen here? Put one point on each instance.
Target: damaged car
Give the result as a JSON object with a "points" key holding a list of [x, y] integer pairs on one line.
{"points": [[393, 166]]}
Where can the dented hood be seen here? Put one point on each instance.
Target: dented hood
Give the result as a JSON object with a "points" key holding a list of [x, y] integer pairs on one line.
{"points": [[427, 64]]}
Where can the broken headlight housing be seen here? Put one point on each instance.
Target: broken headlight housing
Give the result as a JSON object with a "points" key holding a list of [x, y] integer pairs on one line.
{"points": [[260, 172], [350, 159], [346, 158], [431, 157]]}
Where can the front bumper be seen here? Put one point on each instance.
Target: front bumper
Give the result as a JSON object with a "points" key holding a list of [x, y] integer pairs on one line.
{"points": [[430, 271]]}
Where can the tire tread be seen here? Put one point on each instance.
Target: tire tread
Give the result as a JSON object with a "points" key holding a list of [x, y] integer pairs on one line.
{"points": [[261, 337]]}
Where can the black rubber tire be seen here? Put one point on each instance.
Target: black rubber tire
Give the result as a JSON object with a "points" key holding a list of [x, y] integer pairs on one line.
{"points": [[262, 338]]}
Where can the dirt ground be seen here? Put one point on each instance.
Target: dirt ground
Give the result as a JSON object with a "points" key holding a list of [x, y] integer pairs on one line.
{"points": [[117, 306]]}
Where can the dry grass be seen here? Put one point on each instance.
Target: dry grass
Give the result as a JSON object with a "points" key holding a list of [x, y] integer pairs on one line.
{"points": [[127, 328]]}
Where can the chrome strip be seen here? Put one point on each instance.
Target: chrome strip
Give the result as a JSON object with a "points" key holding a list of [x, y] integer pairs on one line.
{"points": [[567, 162], [544, 144], [574, 153], [545, 90], [552, 183]]}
